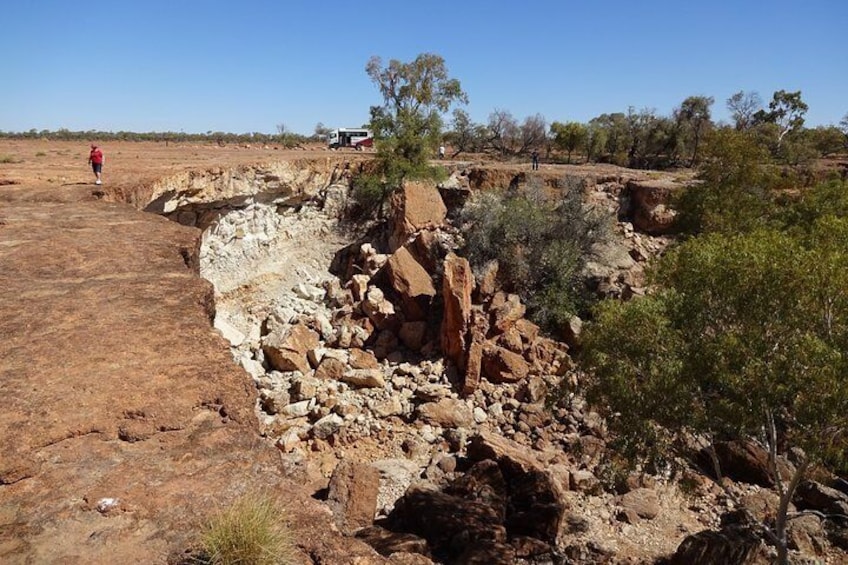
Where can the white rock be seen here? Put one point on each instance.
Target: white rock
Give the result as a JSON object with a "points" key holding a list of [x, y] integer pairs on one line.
{"points": [[298, 409], [229, 331], [327, 426]]}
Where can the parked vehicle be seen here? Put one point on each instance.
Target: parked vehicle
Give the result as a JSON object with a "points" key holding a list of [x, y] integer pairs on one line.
{"points": [[350, 137]]}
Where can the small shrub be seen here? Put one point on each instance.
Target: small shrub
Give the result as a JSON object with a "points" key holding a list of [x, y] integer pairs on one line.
{"points": [[540, 245], [250, 532], [8, 159], [41, 154]]}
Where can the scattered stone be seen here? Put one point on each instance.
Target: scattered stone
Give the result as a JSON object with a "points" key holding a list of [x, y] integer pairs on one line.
{"points": [[361, 359], [505, 310], [364, 378], [500, 365], [330, 369], [287, 351], [643, 502], [327, 426], [447, 413]]}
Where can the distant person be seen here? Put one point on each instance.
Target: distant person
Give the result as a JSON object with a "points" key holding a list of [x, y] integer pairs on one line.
{"points": [[441, 151], [535, 157], [96, 160]]}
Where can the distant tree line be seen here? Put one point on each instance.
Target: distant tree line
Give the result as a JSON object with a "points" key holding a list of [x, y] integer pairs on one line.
{"points": [[644, 139], [282, 137]]}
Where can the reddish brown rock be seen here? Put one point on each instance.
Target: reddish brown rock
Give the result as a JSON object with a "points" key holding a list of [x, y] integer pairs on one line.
{"points": [[457, 284], [505, 310], [473, 368], [488, 284], [447, 413], [425, 249], [379, 310], [643, 502], [121, 452], [353, 495], [649, 205], [287, 351], [412, 283], [511, 339], [501, 365], [361, 359], [330, 368], [536, 504], [417, 205]]}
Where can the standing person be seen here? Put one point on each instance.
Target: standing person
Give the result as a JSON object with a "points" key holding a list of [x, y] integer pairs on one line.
{"points": [[96, 160], [441, 151], [535, 157]]}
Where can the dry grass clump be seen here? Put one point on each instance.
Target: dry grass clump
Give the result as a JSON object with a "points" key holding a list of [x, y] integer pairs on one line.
{"points": [[253, 531]]}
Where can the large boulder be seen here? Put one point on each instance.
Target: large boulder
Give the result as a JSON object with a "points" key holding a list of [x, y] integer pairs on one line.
{"points": [[416, 206], [536, 504], [447, 413], [353, 495], [736, 545], [412, 283], [453, 526], [457, 284]]}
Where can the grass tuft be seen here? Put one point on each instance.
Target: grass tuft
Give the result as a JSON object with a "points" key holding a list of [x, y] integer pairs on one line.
{"points": [[252, 531]]}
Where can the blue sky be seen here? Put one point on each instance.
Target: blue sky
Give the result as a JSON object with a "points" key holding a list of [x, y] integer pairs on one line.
{"points": [[213, 65]]}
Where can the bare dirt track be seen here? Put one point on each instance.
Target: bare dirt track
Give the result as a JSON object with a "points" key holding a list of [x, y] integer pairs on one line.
{"points": [[124, 420]]}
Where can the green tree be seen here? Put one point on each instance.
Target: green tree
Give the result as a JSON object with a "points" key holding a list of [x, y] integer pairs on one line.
{"points": [[747, 339], [786, 110], [733, 192], [569, 136], [743, 106], [408, 124], [613, 128], [694, 119], [596, 141], [464, 133]]}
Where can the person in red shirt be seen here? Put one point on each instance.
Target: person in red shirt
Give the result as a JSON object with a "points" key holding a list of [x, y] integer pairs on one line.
{"points": [[96, 160]]}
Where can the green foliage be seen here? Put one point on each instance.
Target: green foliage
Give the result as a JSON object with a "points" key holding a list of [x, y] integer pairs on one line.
{"points": [[251, 532], [749, 327], [570, 137], [823, 199], [786, 111], [734, 189], [408, 125], [540, 247], [465, 134], [694, 120], [634, 353]]}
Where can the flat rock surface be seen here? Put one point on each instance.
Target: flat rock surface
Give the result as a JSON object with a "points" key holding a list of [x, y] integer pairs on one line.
{"points": [[125, 422]]}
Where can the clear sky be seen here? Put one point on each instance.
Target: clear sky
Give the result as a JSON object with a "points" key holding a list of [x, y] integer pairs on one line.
{"points": [[249, 65]]}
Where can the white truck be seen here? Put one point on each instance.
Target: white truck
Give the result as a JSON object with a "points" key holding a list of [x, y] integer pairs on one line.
{"points": [[358, 138]]}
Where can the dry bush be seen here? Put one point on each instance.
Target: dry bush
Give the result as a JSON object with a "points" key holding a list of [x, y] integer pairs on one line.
{"points": [[253, 531]]}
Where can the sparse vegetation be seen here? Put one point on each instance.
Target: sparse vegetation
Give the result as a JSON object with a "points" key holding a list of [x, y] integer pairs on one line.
{"points": [[8, 159], [540, 246], [252, 531]]}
